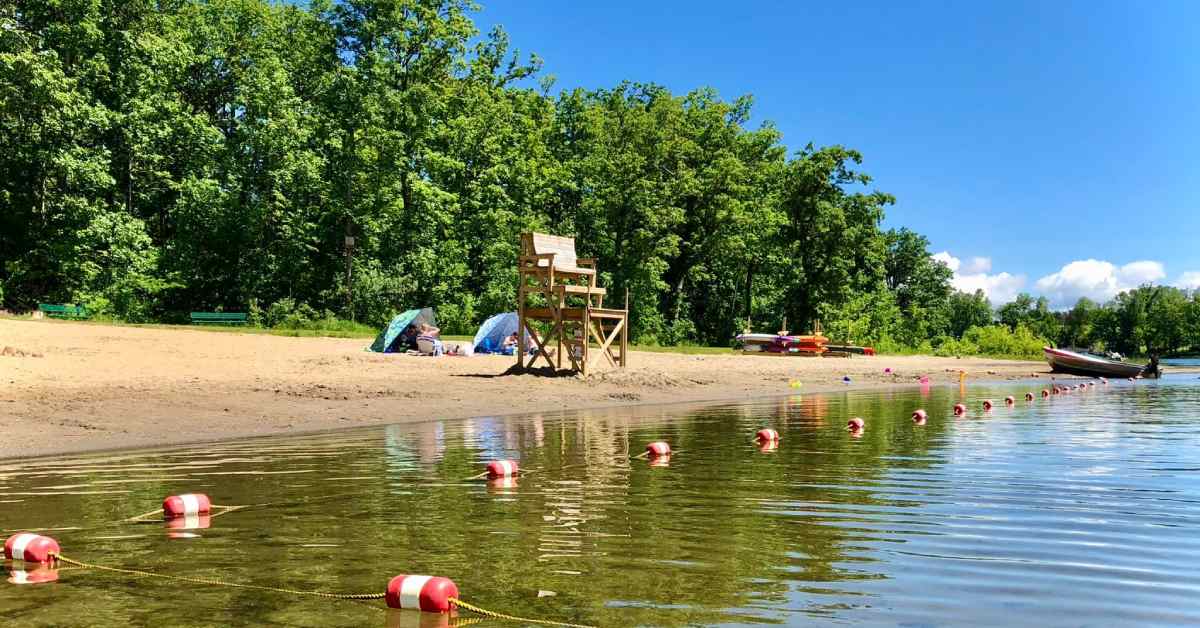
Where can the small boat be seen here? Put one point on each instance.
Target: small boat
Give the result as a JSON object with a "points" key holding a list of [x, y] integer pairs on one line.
{"points": [[1063, 361]]}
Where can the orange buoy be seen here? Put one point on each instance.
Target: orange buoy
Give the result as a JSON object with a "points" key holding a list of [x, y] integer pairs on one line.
{"points": [[501, 469], [1045, 393], [987, 404], [960, 409], [766, 435], [1028, 396], [1009, 400], [658, 448], [431, 594], [31, 548], [856, 424], [186, 504]]}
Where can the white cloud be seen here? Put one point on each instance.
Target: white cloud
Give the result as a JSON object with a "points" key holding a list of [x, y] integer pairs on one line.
{"points": [[999, 288], [1096, 280], [977, 265], [1189, 280]]}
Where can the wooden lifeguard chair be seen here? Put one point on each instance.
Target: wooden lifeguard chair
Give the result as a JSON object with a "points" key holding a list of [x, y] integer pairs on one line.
{"points": [[557, 289]]}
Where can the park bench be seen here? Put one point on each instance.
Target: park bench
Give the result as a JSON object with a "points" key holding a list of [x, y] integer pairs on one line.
{"points": [[218, 318], [75, 312]]}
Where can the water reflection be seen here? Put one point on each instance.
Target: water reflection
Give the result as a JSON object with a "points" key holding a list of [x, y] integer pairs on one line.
{"points": [[1082, 508]]}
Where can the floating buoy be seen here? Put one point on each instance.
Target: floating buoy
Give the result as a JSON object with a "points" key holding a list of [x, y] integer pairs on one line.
{"points": [[186, 504], [1045, 393], [658, 448], [766, 435], [768, 445], [1028, 396], [661, 461], [1104, 380], [846, 379], [1009, 400], [887, 370], [924, 379], [987, 404], [501, 469], [431, 594], [31, 548], [856, 424], [37, 575], [919, 416], [795, 383], [1131, 379]]}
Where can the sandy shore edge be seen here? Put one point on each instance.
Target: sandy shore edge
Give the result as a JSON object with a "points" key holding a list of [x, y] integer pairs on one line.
{"points": [[75, 388]]}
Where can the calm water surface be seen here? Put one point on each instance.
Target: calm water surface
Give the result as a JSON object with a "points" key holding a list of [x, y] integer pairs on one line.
{"points": [[1080, 510]]}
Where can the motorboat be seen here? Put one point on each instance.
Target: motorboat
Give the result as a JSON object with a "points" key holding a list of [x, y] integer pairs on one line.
{"points": [[1063, 361]]}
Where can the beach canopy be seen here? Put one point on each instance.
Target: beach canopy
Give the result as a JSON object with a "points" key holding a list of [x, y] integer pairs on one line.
{"points": [[400, 334], [493, 331]]}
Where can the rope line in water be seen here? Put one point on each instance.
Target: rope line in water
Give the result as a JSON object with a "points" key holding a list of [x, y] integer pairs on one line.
{"points": [[321, 594], [220, 583], [494, 615]]}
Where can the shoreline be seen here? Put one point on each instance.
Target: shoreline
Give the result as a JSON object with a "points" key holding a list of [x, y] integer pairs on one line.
{"points": [[98, 388]]}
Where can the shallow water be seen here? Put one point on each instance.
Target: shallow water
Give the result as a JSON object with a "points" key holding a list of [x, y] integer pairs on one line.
{"points": [[1083, 509]]}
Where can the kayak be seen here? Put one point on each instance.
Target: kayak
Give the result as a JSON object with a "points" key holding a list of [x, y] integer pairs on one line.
{"points": [[1063, 361]]}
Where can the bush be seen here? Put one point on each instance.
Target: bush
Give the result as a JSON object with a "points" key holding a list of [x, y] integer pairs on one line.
{"points": [[996, 341]]}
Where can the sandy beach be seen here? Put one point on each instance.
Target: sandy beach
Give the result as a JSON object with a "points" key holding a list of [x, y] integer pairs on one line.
{"points": [[72, 387]]}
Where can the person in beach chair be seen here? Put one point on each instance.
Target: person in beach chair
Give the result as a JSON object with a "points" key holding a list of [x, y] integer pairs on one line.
{"points": [[428, 342]]}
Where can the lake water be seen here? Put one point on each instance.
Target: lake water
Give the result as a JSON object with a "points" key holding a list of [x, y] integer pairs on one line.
{"points": [[1080, 510]]}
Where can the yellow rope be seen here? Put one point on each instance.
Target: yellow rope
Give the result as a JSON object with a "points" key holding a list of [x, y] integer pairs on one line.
{"points": [[333, 596], [486, 613], [206, 581]]}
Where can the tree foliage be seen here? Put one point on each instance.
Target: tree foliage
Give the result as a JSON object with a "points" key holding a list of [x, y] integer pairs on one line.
{"points": [[164, 156]]}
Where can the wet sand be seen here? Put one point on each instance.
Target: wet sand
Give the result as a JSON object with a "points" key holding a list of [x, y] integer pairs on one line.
{"points": [[72, 387]]}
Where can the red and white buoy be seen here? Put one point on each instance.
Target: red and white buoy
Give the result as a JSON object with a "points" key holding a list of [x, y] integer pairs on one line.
{"points": [[431, 594], [186, 504], [1028, 396], [768, 445], [1009, 401], [658, 448], [856, 424], [31, 548], [1045, 393], [501, 469], [960, 409], [1104, 381], [767, 435], [987, 405]]}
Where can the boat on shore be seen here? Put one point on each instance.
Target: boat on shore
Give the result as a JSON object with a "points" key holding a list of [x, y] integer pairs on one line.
{"points": [[1063, 361]]}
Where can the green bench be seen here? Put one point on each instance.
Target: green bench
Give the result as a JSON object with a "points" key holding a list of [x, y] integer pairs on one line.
{"points": [[74, 312], [218, 318]]}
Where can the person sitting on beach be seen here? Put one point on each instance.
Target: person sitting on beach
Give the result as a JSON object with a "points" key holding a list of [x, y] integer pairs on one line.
{"points": [[427, 335], [509, 345]]}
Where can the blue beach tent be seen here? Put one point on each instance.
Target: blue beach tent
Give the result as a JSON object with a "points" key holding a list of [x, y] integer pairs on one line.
{"points": [[493, 331], [400, 334]]}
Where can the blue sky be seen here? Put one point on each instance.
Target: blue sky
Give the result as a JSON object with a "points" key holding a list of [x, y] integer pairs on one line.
{"points": [[1020, 137]]}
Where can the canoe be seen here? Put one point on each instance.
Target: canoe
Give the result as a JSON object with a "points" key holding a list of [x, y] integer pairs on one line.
{"points": [[758, 339], [1063, 361]]}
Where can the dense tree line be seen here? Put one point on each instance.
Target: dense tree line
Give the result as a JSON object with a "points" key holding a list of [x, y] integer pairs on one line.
{"points": [[164, 156]]}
